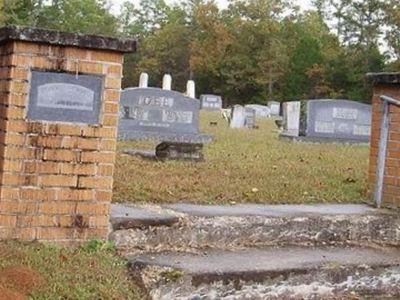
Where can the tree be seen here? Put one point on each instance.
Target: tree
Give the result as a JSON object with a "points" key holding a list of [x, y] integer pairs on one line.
{"points": [[82, 16]]}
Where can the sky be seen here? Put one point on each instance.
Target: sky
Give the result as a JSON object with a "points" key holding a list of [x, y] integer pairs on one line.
{"points": [[116, 4]]}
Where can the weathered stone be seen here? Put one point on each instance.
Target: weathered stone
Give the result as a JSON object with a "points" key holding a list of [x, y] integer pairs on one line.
{"points": [[290, 273], [275, 108], [53, 37], [179, 151], [262, 111], [242, 226], [291, 118], [238, 117], [250, 121]]}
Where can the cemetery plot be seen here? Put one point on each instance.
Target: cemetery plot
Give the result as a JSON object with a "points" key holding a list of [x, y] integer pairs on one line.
{"points": [[246, 166]]}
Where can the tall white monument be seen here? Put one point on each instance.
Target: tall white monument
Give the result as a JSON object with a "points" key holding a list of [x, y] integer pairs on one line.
{"points": [[191, 89], [167, 82], [144, 80]]}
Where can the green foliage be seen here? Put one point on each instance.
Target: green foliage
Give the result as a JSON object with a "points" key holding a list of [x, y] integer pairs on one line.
{"points": [[251, 52], [99, 246], [82, 16]]}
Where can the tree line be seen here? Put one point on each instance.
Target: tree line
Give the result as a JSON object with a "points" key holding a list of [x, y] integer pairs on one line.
{"points": [[252, 51]]}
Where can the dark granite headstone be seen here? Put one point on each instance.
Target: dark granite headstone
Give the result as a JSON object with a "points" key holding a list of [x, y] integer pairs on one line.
{"points": [[63, 97], [250, 121], [210, 102], [156, 114], [338, 119]]}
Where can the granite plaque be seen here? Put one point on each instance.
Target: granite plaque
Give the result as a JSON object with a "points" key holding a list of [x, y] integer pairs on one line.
{"points": [[156, 114], [339, 119], [210, 102], [63, 97]]}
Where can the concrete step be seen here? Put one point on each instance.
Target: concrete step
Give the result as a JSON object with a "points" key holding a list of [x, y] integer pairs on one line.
{"points": [[275, 273], [184, 227]]}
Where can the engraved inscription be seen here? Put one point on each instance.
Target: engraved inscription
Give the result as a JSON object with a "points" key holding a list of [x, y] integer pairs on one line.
{"points": [[170, 116], [324, 127], [343, 128], [65, 96], [156, 101], [345, 113], [364, 130], [211, 99]]}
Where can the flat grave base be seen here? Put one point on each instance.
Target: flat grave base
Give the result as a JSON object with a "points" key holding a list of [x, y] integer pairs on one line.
{"points": [[320, 140], [166, 137]]}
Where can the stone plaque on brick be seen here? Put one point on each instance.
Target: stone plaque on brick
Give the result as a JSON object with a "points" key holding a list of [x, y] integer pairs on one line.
{"points": [[339, 119], [211, 102], [152, 113], [64, 97]]}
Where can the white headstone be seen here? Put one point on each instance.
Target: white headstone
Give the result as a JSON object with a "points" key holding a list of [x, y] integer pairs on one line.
{"points": [[238, 117], [167, 82], [191, 89], [291, 117], [144, 80], [275, 108]]}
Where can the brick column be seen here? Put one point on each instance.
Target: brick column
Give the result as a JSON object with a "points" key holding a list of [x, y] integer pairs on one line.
{"points": [[56, 177], [386, 84]]}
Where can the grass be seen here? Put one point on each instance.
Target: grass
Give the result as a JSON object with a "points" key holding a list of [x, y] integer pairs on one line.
{"points": [[246, 166], [47, 272]]}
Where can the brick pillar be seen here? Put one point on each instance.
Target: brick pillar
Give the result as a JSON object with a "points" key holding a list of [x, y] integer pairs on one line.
{"points": [[386, 84], [56, 177]]}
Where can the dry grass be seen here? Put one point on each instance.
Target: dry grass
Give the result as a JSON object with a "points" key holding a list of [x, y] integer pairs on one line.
{"points": [[247, 166], [36, 271]]}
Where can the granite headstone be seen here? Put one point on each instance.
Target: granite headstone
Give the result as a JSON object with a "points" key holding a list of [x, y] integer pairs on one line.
{"points": [[262, 111], [291, 117], [211, 102], [339, 119], [64, 97], [250, 121], [156, 114], [275, 108], [238, 117]]}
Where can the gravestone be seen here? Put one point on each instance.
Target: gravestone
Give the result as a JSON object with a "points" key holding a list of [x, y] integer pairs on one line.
{"points": [[327, 120], [338, 119], [250, 121], [161, 115], [191, 89], [291, 117], [211, 102], [238, 117], [262, 111], [275, 108]]}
